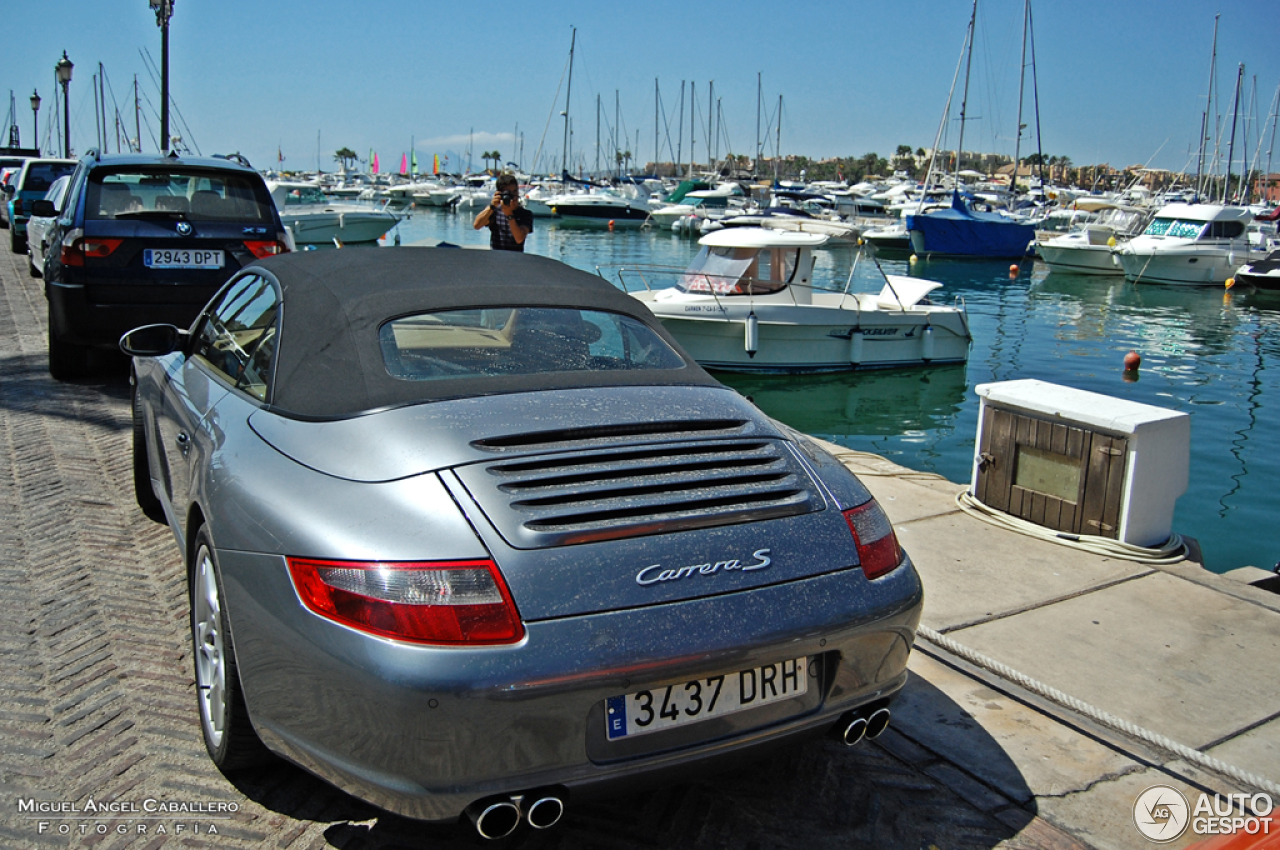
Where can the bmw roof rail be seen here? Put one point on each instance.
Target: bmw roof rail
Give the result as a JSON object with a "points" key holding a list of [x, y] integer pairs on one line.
{"points": [[235, 157]]}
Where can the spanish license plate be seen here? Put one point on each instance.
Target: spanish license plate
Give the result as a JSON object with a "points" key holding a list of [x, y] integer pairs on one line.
{"points": [[701, 699], [182, 258]]}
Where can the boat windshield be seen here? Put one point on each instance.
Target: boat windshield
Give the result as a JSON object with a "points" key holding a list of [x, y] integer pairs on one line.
{"points": [[1178, 227], [740, 271], [304, 195]]}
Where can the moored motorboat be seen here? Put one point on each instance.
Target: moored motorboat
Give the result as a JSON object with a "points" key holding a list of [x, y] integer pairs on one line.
{"points": [[747, 303], [315, 220], [1261, 274], [1089, 248], [1191, 245]]}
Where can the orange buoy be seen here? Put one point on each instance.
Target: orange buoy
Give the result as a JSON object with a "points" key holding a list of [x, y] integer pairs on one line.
{"points": [[611, 224], [1013, 269], [1132, 361]]}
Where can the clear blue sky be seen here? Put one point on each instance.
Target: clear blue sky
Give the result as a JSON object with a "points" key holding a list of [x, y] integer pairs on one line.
{"points": [[1120, 81]]}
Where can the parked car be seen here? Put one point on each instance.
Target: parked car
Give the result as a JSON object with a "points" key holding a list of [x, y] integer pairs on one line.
{"points": [[149, 238], [43, 213], [467, 531], [29, 185], [9, 165]]}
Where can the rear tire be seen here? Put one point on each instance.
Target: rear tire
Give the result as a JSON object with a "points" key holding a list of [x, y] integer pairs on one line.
{"points": [[66, 361], [142, 490], [31, 266], [229, 736]]}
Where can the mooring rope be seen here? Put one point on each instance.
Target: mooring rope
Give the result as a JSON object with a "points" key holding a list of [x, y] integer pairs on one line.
{"points": [[1132, 729]]}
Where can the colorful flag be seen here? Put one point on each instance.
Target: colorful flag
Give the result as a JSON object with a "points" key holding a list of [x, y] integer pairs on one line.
{"points": [[404, 163], [373, 160], [415, 164], [435, 165], [279, 155]]}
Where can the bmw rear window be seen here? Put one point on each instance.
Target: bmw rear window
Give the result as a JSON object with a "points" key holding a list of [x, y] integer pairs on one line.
{"points": [[496, 342], [177, 193]]}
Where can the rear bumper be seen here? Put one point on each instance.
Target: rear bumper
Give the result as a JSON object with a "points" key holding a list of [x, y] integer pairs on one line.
{"points": [[75, 319], [425, 731]]}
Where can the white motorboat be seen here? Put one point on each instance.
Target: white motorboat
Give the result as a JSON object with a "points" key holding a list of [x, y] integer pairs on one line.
{"points": [[1192, 245], [747, 303], [1262, 273], [315, 220], [1089, 248]]}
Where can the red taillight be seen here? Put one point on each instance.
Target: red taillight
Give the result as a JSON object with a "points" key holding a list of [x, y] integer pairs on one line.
{"points": [[17, 206], [878, 550], [76, 248], [442, 602], [268, 248]]}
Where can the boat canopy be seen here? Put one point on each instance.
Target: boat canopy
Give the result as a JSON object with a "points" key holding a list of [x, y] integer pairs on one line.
{"points": [[747, 261]]}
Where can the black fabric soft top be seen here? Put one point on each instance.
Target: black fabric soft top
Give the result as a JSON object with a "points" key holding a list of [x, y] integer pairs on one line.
{"points": [[329, 363]]}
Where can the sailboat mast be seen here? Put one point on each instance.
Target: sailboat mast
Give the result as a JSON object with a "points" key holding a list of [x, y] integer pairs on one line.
{"points": [[1208, 106], [755, 166], [1231, 145], [1275, 113], [777, 153], [1035, 93], [693, 128], [564, 151], [964, 98], [1022, 79], [656, 153]]}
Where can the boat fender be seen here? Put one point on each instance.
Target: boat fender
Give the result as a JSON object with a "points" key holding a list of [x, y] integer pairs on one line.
{"points": [[927, 343], [752, 334], [855, 347]]}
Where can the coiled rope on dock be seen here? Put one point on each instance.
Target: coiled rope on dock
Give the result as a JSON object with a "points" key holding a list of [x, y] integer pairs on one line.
{"points": [[1182, 751]]}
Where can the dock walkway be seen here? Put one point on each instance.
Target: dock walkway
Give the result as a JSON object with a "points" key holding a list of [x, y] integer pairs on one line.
{"points": [[96, 693], [1176, 650]]}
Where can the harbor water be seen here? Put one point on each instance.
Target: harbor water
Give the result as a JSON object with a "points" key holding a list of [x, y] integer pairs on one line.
{"points": [[1211, 353]]}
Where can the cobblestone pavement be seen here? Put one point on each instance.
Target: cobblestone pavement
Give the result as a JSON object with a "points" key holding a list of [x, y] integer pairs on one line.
{"points": [[96, 698]]}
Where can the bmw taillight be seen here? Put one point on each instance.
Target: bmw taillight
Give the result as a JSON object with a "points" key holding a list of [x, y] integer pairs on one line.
{"points": [[878, 549], [265, 248], [76, 248], [438, 602]]}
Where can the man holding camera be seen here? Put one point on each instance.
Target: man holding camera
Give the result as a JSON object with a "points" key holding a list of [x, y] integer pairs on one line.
{"points": [[508, 222]]}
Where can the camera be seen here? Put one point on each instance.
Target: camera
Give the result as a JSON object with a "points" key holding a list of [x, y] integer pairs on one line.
{"points": [[508, 198]]}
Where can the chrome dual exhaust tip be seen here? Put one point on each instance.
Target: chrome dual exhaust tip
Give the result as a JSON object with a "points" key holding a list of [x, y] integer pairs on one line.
{"points": [[862, 723], [496, 818]]}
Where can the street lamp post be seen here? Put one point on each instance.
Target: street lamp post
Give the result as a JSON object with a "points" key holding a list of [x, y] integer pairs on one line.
{"points": [[35, 121], [164, 11], [63, 69]]}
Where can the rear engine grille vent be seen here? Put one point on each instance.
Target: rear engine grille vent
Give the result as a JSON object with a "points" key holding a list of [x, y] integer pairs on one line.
{"points": [[616, 433], [579, 497]]}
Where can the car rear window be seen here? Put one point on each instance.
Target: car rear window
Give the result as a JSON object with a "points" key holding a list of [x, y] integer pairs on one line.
{"points": [[192, 194], [495, 342], [40, 175]]}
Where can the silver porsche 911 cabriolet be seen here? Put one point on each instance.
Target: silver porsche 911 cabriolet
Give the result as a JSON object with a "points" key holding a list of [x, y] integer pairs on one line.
{"points": [[487, 540]]}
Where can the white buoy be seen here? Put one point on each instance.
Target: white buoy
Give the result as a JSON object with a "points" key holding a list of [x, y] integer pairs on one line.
{"points": [[855, 347], [753, 334], [927, 343]]}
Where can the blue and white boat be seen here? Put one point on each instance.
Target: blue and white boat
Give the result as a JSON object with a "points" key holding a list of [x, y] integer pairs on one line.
{"points": [[961, 231]]}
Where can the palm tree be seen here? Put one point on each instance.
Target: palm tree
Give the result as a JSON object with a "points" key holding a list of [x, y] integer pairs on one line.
{"points": [[346, 156]]}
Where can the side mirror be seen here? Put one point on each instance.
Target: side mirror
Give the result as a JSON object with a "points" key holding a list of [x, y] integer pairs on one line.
{"points": [[43, 209], [152, 341]]}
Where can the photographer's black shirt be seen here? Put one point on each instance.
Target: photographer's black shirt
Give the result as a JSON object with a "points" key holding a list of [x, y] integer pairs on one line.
{"points": [[500, 238]]}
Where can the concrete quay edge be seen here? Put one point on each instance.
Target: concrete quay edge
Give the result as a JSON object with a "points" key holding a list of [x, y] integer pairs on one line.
{"points": [[1170, 648]]}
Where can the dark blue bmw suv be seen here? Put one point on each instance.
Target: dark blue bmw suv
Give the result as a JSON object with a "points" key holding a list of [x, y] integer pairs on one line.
{"points": [[148, 239]]}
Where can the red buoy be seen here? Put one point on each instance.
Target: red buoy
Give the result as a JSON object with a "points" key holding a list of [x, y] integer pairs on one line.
{"points": [[1132, 361], [1013, 269], [611, 224]]}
